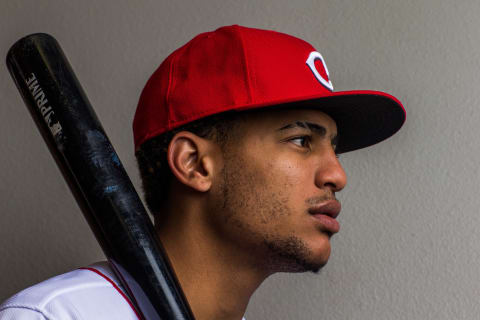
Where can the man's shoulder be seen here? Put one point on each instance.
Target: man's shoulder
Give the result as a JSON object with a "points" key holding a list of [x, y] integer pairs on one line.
{"points": [[85, 293]]}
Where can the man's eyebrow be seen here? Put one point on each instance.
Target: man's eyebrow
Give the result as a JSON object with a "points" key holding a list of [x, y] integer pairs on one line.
{"points": [[318, 129]]}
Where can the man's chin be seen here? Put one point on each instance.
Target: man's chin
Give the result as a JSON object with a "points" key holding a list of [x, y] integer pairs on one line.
{"points": [[301, 265], [321, 254], [293, 255], [313, 263]]}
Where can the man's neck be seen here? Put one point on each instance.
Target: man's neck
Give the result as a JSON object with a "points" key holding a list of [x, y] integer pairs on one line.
{"points": [[216, 278]]}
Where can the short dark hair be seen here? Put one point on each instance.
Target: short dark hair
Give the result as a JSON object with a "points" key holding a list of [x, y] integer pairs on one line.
{"points": [[152, 155]]}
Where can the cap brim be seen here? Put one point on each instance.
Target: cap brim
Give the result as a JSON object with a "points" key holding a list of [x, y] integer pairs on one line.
{"points": [[363, 117]]}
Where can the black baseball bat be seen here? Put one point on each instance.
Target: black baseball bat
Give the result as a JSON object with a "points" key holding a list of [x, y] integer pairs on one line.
{"points": [[96, 177]]}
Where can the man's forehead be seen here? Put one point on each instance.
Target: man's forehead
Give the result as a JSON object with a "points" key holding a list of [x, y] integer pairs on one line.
{"points": [[312, 119]]}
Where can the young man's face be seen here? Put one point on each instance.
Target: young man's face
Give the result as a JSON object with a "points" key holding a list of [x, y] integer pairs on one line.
{"points": [[275, 195]]}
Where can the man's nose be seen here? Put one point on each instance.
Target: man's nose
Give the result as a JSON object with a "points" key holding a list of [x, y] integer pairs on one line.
{"points": [[330, 173]]}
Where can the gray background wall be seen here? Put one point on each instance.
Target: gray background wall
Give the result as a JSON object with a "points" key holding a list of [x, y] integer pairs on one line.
{"points": [[409, 246]]}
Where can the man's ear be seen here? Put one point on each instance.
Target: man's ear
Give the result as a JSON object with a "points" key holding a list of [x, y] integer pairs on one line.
{"points": [[190, 160]]}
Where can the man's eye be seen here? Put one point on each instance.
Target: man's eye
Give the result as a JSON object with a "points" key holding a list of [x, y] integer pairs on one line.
{"points": [[303, 141]]}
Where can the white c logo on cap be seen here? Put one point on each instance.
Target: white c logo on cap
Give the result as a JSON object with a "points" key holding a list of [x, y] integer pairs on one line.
{"points": [[314, 55]]}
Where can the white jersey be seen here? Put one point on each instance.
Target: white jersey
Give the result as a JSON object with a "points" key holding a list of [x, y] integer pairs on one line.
{"points": [[92, 293], [85, 293]]}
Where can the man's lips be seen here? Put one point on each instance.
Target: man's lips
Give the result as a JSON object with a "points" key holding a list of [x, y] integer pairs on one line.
{"points": [[326, 213], [330, 208]]}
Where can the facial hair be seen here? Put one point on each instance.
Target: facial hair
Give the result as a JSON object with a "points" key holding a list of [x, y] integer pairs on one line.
{"points": [[248, 203]]}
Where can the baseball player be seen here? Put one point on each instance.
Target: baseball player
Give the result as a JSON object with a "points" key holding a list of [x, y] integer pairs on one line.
{"points": [[237, 136]]}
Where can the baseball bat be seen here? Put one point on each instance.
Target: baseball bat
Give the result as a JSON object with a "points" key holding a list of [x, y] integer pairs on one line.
{"points": [[96, 177]]}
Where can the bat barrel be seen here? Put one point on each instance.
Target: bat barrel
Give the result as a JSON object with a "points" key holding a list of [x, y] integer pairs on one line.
{"points": [[96, 176]]}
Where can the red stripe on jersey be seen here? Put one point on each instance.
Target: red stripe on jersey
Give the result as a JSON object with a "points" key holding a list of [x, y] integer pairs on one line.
{"points": [[116, 287]]}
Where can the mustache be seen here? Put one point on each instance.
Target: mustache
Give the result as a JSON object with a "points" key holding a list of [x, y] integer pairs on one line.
{"points": [[320, 199]]}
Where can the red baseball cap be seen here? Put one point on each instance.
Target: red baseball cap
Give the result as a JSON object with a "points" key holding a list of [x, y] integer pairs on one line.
{"points": [[239, 68]]}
